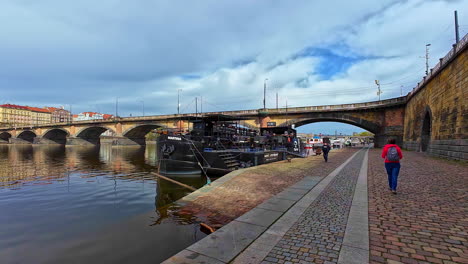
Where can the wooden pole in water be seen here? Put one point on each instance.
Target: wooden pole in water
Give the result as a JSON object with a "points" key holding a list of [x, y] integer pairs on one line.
{"points": [[174, 181]]}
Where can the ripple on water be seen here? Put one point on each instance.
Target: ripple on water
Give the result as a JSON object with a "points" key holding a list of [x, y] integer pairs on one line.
{"points": [[88, 204]]}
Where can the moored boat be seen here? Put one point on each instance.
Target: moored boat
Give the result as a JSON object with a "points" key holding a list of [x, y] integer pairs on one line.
{"points": [[219, 144]]}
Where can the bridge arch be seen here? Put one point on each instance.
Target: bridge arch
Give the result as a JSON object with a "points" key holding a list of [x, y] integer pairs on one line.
{"points": [[137, 133], [140, 131], [92, 134], [347, 119], [57, 135], [27, 135], [426, 129], [5, 136]]}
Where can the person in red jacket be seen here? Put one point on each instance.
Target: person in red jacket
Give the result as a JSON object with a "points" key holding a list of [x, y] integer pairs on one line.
{"points": [[392, 155]]}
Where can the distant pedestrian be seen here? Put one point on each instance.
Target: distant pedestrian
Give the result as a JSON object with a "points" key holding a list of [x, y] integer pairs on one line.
{"points": [[392, 155], [325, 149]]}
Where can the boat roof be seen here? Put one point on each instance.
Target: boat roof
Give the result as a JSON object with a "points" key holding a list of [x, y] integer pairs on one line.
{"points": [[278, 130], [219, 117]]}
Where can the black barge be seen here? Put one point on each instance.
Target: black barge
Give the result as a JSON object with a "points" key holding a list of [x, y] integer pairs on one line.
{"points": [[219, 144]]}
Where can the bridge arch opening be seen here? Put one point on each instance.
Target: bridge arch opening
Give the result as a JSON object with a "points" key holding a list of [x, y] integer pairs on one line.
{"points": [[5, 137], [349, 120], [56, 135], [93, 134], [426, 131], [138, 133], [28, 136], [340, 133]]}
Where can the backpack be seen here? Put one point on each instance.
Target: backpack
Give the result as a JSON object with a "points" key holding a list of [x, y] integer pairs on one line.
{"points": [[392, 154]]}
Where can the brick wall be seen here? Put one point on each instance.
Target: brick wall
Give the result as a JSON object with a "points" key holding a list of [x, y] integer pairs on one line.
{"points": [[445, 98]]}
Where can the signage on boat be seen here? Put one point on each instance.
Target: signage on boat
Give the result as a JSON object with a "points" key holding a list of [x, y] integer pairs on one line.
{"points": [[174, 138], [269, 157], [296, 145], [271, 124]]}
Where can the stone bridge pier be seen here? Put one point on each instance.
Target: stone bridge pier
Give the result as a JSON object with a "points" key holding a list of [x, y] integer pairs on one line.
{"points": [[118, 134]]}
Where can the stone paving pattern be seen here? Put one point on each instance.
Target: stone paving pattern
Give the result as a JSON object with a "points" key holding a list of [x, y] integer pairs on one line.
{"points": [[249, 189], [427, 221], [317, 235]]}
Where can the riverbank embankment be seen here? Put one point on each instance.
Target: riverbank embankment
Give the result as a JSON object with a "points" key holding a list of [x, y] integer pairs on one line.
{"points": [[238, 192]]}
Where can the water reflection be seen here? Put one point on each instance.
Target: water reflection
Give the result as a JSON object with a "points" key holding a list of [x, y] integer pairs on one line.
{"points": [[59, 198]]}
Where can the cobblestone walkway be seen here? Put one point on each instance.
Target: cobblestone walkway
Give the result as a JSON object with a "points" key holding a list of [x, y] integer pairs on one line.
{"points": [[427, 221], [318, 234], [249, 189]]}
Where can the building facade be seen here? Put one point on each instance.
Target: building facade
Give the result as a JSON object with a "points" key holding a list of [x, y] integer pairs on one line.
{"points": [[59, 115], [39, 116], [15, 115], [86, 116], [18, 115]]}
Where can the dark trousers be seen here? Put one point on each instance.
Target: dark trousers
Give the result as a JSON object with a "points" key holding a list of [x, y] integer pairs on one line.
{"points": [[325, 155], [393, 169]]}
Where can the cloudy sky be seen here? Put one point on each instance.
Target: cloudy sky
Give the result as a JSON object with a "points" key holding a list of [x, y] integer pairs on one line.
{"points": [[87, 53]]}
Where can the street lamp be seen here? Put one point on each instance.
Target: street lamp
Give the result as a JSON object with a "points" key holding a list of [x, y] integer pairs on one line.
{"points": [[264, 93], [116, 107], [178, 101], [379, 92], [427, 58]]}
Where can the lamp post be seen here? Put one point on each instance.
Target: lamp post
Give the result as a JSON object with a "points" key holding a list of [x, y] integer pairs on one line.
{"points": [[178, 101], [379, 92], [264, 93], [116, 107], [277, 97], [427, 58]]}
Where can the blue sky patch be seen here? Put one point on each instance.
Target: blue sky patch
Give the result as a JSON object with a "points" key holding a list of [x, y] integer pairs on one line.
{"points": [[190, 76], [331, 63]]}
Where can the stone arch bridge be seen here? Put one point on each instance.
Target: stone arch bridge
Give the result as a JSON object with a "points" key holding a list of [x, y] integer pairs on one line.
{"points": [[121, 131], [383, 118], [432, 118]]}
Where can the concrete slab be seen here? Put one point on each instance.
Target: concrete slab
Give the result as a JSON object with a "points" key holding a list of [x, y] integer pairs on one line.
{"points": [[228, 241], [269, 238], [291, 194], [306, 183], [187, 256], [355, 237], [355, 247], [260, 216], [310, 180], [351, 255], [251, 255], [275, 204]]}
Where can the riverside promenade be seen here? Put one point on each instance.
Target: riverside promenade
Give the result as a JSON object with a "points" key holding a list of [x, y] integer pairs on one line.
{"points": [[350, 216]]}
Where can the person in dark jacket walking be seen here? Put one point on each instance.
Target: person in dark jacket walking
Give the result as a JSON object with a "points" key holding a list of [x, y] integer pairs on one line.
{"points": [[325, 149], [392, 155]]}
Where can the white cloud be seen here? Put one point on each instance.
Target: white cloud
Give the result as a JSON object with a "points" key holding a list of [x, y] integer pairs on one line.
{"points": [[88, 53]]}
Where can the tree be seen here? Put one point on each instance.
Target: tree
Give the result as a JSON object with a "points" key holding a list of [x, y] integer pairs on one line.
{"points": [[366, 134]]}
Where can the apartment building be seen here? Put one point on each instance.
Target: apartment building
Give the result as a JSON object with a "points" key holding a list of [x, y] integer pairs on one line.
{"points": [[40, 116], [15, 115], [59, 115]]}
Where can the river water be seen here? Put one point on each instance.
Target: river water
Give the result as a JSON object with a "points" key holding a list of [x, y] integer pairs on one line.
{"points": [[89, 205]]}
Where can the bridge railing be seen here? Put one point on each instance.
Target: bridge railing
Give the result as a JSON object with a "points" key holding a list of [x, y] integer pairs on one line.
{"points": [[456, 49], [253, 112], [388, 102]]}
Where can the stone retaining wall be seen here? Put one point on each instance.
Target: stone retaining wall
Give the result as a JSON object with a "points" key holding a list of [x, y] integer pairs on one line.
{"points": [[456, 149]]}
